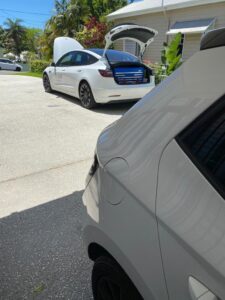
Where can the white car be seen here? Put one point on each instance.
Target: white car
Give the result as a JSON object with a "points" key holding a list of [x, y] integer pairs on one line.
{"points": [[7, 64], [101, 76], [155, 194]]}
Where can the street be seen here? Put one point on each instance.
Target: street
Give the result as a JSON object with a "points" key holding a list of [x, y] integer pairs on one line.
{"points": [[47, 144]]}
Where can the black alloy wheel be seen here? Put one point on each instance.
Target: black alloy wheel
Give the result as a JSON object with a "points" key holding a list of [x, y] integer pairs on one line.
{"points": [[86, 97], [110, 282], [47, 84]]}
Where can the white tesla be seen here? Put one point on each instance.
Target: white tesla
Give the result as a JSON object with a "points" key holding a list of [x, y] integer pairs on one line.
{"points": [[155, 194], [101, 76]]}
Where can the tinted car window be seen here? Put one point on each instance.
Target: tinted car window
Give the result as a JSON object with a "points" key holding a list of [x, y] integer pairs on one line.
{"points": [[66, 60], [204, 142], [116, 56], [83, 59]]}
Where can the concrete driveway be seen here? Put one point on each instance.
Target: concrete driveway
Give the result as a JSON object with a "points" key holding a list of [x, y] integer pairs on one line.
{"points": [[47, 143]]}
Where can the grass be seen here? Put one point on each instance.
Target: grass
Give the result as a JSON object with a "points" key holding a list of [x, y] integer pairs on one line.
{"points": [[32, 74], [39, 289]]}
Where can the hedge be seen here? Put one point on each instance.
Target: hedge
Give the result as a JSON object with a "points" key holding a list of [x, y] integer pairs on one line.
{"points": [[38, 66]]}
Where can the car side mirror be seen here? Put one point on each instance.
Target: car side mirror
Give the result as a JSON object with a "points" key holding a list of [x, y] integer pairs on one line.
{"points": [[53, 64]]}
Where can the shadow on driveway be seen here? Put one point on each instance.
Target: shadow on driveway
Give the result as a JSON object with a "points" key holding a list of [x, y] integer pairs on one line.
{"points": [[119, 108], [42, 254]]}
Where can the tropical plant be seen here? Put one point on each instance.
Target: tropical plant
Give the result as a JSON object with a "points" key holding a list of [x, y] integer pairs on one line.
{"points": [[14, 35], [2, 34], [93, 34], [31, 41], [170, 59], [172, 54], [101, 8], [72, 16]]}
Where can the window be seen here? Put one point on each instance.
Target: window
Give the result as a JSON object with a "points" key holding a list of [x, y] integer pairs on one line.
{"points": [[115, 56], [65, 61], [76, 58], [131, 47], [83, 59], [204, 142]]}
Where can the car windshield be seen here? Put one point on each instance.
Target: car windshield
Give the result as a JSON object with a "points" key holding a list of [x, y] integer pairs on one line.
{"points": [[115, 56]]}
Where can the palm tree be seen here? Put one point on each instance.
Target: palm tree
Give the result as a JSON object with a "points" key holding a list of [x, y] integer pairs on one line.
{"points": [[15, 34]]}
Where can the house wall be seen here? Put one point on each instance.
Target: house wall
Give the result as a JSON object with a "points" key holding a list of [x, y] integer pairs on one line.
{"points": [[162, 22]]}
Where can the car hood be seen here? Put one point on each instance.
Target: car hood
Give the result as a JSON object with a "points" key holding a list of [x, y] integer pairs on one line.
{"points": [[142, 35], [63, 45]]}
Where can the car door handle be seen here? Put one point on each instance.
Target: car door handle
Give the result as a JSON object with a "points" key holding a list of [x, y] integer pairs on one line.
{"points": [[79, 71], [198, 291], [63, 70]]}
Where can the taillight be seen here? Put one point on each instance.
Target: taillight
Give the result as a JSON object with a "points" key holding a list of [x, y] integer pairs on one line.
{"points": [[106, 73]]}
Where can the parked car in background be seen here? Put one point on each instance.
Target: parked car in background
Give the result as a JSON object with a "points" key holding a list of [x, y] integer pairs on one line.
{"points": [[7, 64], [101, 76], [155, 193]]}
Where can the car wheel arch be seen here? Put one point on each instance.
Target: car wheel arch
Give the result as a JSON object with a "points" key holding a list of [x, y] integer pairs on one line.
{"points": [[83, 80], [95, 250]]}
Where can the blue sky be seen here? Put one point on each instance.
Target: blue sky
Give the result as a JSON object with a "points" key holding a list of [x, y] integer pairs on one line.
{"points": [[24, 9], [34, 13]]}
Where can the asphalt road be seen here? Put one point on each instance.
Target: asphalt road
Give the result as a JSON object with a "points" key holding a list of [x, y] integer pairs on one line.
{"points": [[47, 143]]}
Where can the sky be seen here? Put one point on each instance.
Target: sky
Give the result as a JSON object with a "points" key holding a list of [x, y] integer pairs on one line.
{"points": [[34, 13]]}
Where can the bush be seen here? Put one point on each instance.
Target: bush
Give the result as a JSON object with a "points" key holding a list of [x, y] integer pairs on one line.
{"points": [[38, 66]]}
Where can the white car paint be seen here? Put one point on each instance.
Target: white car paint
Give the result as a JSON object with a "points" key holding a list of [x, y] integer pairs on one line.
{"points": [[7, 64], [148, 204], [67, 79]]}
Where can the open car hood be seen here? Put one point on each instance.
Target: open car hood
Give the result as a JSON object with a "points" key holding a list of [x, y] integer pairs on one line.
{"points": [[142, 35], [63, 45]]}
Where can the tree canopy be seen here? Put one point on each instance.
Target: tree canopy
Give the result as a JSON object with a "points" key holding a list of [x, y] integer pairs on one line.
{"points": [[82, 19]]}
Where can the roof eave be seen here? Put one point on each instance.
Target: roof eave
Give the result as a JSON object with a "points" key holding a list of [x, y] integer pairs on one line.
{"points": [[112, 17], [192, 3]]}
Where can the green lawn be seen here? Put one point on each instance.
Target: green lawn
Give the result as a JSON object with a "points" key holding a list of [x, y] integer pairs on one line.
{"points": [[29, 74]]}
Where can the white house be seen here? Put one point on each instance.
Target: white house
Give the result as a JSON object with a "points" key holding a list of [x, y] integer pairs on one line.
{"points": [[190, 17]]}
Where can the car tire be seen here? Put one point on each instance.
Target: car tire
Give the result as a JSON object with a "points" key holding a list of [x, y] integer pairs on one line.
{"points": [[109, 281], [47, 84], [86, 97], [18, 69]]}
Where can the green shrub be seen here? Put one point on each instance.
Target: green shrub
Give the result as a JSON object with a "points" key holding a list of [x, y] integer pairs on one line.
{"points": [[38, 66]]}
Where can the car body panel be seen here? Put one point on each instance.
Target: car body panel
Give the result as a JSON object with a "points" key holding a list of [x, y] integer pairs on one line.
{"points": [[107, 211], [142, 35], [141, 138], [191, 226]]}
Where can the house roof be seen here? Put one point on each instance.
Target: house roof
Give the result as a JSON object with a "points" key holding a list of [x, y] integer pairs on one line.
{"points": [[153, 6]]}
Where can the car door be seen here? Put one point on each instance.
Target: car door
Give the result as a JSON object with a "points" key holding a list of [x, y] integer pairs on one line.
{"points": [[10, 65], [191, 209], [60, 69], [80, 63]]}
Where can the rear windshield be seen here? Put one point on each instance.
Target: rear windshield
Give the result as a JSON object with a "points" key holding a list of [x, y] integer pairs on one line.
{"points": [[114, 56]]}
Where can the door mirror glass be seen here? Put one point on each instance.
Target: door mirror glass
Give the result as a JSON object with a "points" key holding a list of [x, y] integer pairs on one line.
{"points": [[53, 64]]}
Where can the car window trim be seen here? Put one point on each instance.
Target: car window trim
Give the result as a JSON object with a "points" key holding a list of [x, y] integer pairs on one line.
{"points": [[206, 115]]}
